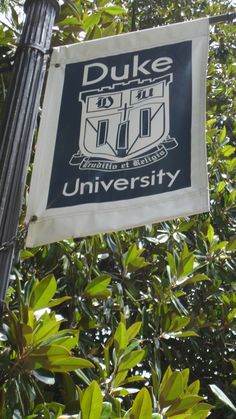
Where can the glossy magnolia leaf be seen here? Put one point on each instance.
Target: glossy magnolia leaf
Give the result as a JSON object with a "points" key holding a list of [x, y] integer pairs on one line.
{"points": [[142, 406], [106, 410], [27, 333], [73, 7], [185, 376], [58, 301], [174, 323], [46, 327], [222, 396], [119, 378], [70, 364], [192, 279], [194, 387], [201, 410], [133, 330], [186, 266], [232, 315], [91, 405], [210, 233], [114, 10], [131, 360], [102, 3], [186, 334], [107, 354], [98, 287], [51, 352], [69, 21], [172, 389], [131, 347], [43, 292], [120, 338], [91, 21], [68, 342], [228, 150], [183, 404], [166, 376], [83, 377], [132, 260], [222, 134], [109, 30], [44, 376], [66, 337], [122, 392], [26, 254], [133, 379]]}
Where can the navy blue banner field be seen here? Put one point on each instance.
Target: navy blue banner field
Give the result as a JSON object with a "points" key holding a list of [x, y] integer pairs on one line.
{"points": [[124, 128], [122, 136]]}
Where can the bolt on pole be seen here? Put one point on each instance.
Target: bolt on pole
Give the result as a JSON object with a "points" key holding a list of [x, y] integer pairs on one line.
{"points": [[19, 123]]}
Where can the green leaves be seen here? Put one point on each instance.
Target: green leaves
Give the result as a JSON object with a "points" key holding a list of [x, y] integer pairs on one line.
{"points": [[91, 21], [43, 292], [171, 388], [186, 263], [125, 357], [98, 287], [120, 338], [222, 396], [132, 260], [69, 363], [54, 358], [178, 399], [114, 10], [133, 330], [173, 326], [91, 404], [142, 407], [130, 360]]}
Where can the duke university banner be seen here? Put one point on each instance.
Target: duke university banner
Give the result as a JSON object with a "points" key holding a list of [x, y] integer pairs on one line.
{"points": [[122, 136]]}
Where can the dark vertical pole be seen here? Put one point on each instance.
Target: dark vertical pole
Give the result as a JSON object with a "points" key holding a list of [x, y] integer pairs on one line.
{"points": [[19, 123]]}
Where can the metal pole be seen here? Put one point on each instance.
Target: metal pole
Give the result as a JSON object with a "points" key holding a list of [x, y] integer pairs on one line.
{"points": [[19, 124]]}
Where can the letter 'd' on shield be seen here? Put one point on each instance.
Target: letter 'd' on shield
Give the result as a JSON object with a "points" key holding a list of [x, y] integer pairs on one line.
{"points": [[125, 122]]}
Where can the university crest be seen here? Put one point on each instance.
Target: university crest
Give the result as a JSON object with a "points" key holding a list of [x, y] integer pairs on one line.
{"points": [[124, 123]]}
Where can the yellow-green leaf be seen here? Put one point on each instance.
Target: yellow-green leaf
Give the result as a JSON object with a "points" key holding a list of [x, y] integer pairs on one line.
{"points": [[46, 327], [114, 10], [98, 287], [133, 330], [70, 364], [91, 405], [91, 20], [142, 406], [172, 389], [194, 387], [183, 404], [43, 292], [120, 338], [131, 360]]}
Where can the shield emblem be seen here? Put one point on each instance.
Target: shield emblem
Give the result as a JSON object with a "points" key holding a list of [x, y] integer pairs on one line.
{"points": [[125, 121]]}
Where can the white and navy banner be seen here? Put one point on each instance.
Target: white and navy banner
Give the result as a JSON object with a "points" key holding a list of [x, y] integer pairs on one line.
{"points": [[122, 136]]}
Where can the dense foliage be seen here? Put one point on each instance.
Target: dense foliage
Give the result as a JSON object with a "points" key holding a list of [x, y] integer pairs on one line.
{"points": [[140, 323]]}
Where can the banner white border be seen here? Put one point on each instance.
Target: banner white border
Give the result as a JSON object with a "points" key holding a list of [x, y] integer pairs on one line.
{"points": [[60, 223]]}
